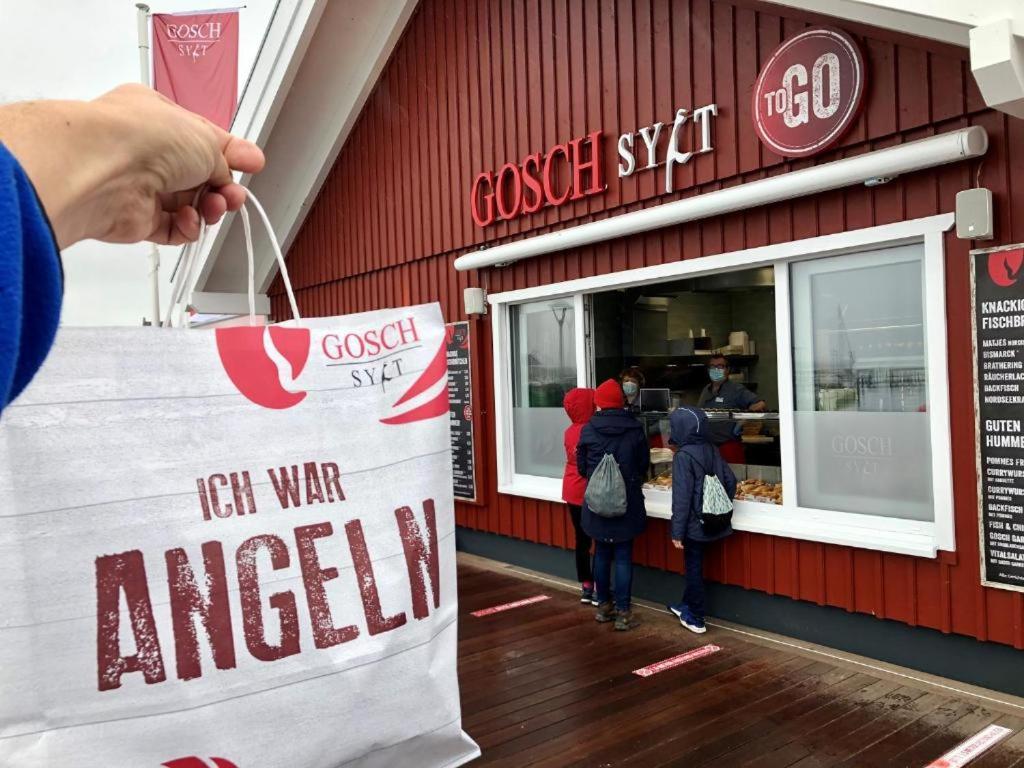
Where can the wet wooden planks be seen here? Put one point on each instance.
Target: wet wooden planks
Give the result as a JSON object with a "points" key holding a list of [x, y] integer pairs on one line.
{"points": [[544, 685]]}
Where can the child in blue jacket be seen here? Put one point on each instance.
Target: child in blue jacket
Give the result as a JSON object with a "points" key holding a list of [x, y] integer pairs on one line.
{"points": [[696, 457]]}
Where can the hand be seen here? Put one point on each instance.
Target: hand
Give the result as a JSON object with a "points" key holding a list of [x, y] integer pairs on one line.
{"points": [[126, 166], [677, 543]]}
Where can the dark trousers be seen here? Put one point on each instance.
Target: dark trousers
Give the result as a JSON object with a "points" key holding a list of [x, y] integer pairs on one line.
{"points": [[583, 572], [621, 553], [693, 597]]}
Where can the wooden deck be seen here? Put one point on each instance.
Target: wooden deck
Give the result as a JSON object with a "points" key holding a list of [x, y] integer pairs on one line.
{"points": [[544, 685]]}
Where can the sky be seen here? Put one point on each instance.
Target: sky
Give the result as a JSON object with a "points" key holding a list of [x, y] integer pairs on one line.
{"points": [[79, 49]]}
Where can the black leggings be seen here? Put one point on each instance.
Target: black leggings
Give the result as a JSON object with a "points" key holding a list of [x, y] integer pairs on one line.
{"points": [[583, 570]]}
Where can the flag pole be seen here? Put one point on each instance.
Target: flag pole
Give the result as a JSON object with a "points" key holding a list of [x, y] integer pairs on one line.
{"points": [[142, 18]]}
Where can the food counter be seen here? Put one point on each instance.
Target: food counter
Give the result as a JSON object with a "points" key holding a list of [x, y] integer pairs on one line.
{"points": [[759, 477]]}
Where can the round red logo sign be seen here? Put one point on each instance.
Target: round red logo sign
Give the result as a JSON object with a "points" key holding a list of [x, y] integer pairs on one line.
{"points": [[809, 92], [1004, 266]]}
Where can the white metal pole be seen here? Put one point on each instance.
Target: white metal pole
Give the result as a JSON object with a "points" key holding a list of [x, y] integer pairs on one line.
{"points": [[142, 17]]}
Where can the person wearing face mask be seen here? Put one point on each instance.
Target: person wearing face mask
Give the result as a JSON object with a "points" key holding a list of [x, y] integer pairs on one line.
{"points": [[631, 380], [725, 395]]}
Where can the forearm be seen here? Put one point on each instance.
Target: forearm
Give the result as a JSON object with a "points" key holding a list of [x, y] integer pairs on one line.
{"points": [[67, 150]]}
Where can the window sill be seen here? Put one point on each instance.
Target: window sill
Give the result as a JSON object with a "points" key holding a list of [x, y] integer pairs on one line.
{"points": [[543, 488], [905, 537]]}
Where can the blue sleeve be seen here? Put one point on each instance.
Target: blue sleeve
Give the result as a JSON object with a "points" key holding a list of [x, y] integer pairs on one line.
{"points": [[747, 398], [682, 495], [581, 454], [728, 479], [643, 455], [31, 282]]}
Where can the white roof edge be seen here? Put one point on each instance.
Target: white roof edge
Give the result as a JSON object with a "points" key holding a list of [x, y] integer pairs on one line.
{"points": [[947, 21], [287, 39], [386, 35], [314, 85]]}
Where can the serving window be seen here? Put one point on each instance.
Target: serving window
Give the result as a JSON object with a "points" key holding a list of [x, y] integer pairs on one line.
{"points": [[666, 335], [832, 408]]}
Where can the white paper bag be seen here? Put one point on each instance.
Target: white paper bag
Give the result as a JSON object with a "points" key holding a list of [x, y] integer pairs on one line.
{"points": [[232, 548]]}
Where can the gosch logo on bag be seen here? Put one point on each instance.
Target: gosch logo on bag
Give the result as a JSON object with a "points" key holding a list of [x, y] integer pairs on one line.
{"points": [[437, 405], [263, 362], [198, 762], [1004, 266]]}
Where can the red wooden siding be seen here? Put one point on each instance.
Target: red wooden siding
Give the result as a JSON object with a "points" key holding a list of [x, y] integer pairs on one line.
{"points": [[473, 84]]}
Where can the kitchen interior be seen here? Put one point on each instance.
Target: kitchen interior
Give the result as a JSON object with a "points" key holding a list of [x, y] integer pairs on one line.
{"points": [[669, 331]]}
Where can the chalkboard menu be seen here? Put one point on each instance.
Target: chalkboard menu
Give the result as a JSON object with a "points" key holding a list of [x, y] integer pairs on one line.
{"points": [[460, 411], [998, 318]]}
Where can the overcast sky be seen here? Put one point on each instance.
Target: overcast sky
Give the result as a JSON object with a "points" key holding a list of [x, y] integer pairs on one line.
{"points": [[78, 49]]}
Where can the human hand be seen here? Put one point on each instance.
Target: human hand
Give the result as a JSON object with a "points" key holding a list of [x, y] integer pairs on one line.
{"points": [[127, 166], [677, 543]]}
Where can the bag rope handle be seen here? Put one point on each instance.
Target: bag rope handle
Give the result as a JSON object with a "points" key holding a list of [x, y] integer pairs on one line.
{"points": [[185, 281]]}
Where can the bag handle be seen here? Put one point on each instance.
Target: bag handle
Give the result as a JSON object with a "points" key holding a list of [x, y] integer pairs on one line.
{"points": [[185, 279]]}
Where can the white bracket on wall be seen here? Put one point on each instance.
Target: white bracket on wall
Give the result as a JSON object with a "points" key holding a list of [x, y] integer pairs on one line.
{"points": [[997, 62]]}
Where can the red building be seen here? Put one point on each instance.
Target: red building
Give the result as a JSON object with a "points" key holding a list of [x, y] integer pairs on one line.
{"points": [[616, 179]]}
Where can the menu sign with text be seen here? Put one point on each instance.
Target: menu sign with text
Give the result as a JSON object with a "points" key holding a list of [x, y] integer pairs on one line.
{"points": [[998, 319], [460, 411]]}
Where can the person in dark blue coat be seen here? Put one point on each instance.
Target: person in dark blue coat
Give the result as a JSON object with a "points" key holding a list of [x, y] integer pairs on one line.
{"points": [[613, 430], [696, 457]]}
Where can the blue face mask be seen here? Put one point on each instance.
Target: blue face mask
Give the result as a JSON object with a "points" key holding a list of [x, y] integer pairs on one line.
{"points": [[716, 374], [630, 388]]}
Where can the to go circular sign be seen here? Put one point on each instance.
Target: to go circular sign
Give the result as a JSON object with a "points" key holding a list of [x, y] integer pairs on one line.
{"points": [[809, 92]]}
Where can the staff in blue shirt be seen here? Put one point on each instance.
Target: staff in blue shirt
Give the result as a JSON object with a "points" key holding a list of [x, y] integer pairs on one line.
{"points": [[722, 394]]}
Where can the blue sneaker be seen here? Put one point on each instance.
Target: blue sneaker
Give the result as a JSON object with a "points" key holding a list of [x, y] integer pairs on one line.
{"points": [[677, 610], [691, 622]]}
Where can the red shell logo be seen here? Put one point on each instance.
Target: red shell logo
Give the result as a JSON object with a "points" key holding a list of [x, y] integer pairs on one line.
{"points": [[809, 92], [460, 337], [435, 372], [198, 762], [1004, 266], [263, 362]]}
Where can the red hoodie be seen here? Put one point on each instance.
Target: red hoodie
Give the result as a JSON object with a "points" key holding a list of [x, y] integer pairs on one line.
{"points": [[579, 404]]}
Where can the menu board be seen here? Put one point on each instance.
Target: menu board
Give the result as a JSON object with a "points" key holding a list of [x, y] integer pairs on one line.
{"points": [[460, 411], [998, 319]]}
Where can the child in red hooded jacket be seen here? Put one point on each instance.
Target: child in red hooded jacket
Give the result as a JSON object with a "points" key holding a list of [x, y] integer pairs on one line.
{"points": [[579, 404]]}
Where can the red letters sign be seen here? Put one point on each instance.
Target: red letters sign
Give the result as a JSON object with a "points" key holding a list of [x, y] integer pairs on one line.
{"points": [[568, 171], [809, 92]]}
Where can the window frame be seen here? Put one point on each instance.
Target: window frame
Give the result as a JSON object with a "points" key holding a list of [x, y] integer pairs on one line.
{"points": [[919, 538]]}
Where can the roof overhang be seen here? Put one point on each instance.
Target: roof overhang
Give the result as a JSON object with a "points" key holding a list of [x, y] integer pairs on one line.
{"points": [[314, 73]]}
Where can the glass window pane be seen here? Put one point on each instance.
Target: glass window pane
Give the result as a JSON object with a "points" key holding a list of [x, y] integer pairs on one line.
{"points": [[543, 370], [862, 434]]}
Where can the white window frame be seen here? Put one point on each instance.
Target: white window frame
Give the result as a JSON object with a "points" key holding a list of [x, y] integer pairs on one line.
{"points": [[919, 538]]}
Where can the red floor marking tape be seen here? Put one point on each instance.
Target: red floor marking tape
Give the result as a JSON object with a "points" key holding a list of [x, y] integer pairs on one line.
{"points": [[675, 661], [510, 606], [966, 751]]}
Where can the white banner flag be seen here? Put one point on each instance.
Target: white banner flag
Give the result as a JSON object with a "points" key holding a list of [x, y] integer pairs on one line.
{"points": [[232, 549]]}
